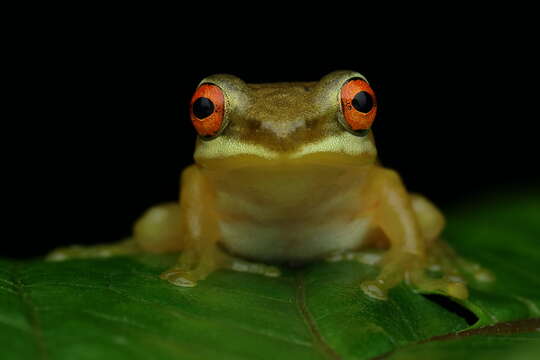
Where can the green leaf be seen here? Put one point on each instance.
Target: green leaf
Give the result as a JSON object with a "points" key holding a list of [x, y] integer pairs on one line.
{"points": [[118, 308]]}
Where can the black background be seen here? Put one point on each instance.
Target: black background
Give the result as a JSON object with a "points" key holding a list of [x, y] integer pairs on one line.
{"points": [[97, 127]]}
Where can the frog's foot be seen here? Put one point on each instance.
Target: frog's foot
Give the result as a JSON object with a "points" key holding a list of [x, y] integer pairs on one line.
{"points": [[194, 266], [396, 267], [125, 247], [443, 259], [449, 284]]}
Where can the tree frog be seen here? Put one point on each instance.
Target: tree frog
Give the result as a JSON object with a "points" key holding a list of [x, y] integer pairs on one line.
{"points": [[287, 173]]}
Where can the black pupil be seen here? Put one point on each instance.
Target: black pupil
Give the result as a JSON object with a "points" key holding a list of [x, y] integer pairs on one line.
{"points": [[203, 107], [362, 102]]}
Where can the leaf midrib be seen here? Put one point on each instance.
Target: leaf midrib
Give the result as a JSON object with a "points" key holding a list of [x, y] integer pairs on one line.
{"points": [[319, 343]]}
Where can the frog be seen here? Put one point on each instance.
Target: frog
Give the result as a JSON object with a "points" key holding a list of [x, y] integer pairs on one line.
{"points": [[288, 174]]}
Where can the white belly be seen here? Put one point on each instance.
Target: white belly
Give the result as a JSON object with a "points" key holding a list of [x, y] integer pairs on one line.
{"points": [[302, 242]]}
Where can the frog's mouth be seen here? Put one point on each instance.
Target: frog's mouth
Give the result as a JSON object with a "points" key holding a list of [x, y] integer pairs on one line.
{"points": [[255, 163], [340, 150]]}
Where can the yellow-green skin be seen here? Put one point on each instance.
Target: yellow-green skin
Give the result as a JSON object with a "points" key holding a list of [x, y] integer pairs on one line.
{"points": [[285, 182]]}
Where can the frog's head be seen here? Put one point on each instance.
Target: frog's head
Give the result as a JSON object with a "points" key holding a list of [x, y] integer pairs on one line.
{"points": [[325, 122]]}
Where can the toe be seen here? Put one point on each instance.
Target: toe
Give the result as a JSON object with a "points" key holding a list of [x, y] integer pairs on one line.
{"points": [[179, 278]]}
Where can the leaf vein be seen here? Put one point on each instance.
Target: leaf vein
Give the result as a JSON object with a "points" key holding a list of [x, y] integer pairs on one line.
{"points": [[11, 325], [8, 290], [6, 281], [30, 313]]}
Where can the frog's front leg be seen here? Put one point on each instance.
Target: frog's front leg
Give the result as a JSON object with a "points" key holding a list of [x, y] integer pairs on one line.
{"points": [[199, 229], [198, 225], [407, 257]]}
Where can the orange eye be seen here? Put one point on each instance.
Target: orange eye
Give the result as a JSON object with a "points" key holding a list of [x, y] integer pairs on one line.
{"points": [[207, 110], [359, 106]]}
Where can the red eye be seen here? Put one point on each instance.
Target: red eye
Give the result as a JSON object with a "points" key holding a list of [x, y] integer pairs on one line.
{"points": [[207, 110], [359, 106]]}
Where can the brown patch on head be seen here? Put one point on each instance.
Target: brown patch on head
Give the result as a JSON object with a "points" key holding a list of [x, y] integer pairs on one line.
{"points": [[282, 117]]}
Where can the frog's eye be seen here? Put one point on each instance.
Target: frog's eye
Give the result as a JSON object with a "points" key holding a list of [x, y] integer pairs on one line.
{"points": [[207, 110], [358, 105]]}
